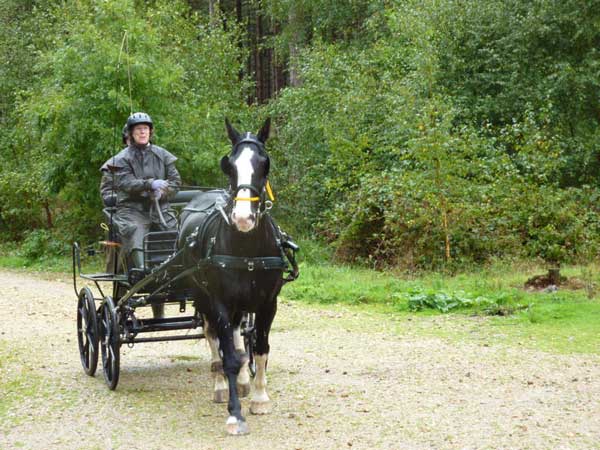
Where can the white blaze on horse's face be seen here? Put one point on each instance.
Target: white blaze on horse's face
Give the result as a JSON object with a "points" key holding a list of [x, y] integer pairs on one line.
{"points": [[242, 215]]}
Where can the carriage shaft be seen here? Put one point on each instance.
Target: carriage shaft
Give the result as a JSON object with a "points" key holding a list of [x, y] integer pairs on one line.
{"points": [[165, 338]]}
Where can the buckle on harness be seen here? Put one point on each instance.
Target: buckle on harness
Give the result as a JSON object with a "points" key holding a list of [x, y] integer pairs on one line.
{"points": [[250, 266]]}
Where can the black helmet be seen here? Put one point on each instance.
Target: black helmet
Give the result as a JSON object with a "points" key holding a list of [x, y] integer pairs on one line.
{"points": [[125, 134], [137, 118]]}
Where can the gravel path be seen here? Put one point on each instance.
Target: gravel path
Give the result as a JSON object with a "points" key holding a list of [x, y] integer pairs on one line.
{"points": [[338, 379]]}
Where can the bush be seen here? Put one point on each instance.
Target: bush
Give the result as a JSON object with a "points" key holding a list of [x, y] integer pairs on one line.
{"points": [[41, 244]]}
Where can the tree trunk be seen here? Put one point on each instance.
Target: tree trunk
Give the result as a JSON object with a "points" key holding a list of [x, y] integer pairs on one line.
{"points": [[238, 14], [258, 65], [294, 48], [49, 221], [444, 208], [554, 276], [278, 75]]}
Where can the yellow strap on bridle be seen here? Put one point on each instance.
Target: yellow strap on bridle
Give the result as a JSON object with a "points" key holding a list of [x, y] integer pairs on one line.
{"points": [[270, 191], [256, 199]]}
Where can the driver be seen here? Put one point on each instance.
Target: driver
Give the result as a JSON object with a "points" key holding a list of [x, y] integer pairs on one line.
{"points": [[145, 173]]}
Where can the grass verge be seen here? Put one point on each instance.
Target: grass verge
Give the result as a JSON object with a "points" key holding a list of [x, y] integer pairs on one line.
{"points": [[565, 321], [492, 299]]}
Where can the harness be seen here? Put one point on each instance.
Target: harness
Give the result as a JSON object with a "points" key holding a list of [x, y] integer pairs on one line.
{"points": [[286, 261]]}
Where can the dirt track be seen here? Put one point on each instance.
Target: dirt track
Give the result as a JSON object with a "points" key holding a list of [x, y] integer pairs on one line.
{"points": [[337, 380]]}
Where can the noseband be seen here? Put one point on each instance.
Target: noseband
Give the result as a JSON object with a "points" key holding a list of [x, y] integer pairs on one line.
{"points": [[247, 199]]}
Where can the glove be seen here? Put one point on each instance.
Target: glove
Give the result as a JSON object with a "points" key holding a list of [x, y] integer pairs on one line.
{"points": [[159, 185], [157, 194]]}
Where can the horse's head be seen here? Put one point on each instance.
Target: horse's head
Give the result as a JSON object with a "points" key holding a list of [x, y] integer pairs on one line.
{"points": [[247, 168]]}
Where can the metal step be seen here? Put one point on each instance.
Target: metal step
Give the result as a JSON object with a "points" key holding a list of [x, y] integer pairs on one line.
{"points": [[103, 276]]}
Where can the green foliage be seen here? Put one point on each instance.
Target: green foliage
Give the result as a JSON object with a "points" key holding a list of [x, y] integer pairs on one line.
{"points": [[183, 72], [420, 134], [308, 20], [501, 303], [435, 139], [42, 243]]}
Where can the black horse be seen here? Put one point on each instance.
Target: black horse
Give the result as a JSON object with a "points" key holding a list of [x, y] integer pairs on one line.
{"points": [[244, 273]]}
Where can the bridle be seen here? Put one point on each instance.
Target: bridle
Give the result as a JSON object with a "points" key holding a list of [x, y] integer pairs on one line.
{"points": [[247, 199], [258, 193]]}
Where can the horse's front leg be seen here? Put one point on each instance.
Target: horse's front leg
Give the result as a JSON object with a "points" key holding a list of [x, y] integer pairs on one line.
{"points": [[236, 424], [261, 403], [221, 388]]}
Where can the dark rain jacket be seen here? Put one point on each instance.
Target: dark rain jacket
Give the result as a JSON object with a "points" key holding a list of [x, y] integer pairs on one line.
{"points": [[135, 169], [108, 183]]}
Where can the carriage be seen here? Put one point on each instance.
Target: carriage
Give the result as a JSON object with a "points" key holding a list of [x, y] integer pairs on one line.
{"points": [[177, 272]]}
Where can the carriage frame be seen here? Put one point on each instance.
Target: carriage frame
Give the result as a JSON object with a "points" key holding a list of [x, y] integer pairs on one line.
{"points": [[106, 322]]}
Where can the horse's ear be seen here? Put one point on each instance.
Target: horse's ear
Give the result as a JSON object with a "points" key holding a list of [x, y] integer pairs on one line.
{"points": [[226, 165], [234, 136], [263, 134]]}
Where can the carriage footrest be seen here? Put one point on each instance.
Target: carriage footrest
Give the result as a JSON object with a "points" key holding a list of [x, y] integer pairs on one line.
{"points": [[103, 276]]}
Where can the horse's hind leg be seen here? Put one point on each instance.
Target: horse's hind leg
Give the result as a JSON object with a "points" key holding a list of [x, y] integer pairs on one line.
{"points": [[243, 380], [261, 403], [221, 388]]}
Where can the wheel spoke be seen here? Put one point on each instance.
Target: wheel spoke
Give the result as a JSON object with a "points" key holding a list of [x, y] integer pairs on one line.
{"points": [[90, 341], [83, 314], [90, 316]]}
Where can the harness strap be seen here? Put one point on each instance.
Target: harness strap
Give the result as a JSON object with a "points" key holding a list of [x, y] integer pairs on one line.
{"points": [[247, 199], [249, 264]]}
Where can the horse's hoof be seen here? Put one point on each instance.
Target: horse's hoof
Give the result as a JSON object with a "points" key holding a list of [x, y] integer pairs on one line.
{"points": [[236, 427], [260, 407], [243, 390], [221, 396]]}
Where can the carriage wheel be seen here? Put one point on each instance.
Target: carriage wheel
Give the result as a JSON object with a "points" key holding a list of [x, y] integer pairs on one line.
{"points": [[250, 342], [110, 343], [87, 331]]}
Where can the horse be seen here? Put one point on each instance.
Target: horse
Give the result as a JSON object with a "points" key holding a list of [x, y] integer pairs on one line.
{"points": [[245, 273]]}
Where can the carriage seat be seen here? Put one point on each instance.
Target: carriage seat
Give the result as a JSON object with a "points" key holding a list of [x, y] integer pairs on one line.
{"points": [[158, 245]]}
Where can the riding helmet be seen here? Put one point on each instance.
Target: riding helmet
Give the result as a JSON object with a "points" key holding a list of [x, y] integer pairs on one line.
{"points": [[138, 118]]}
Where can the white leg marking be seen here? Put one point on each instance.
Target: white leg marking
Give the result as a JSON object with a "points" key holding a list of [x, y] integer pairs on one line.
{"points": [[261, 404], [235, 426], [238, 340], [221, 387]]}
